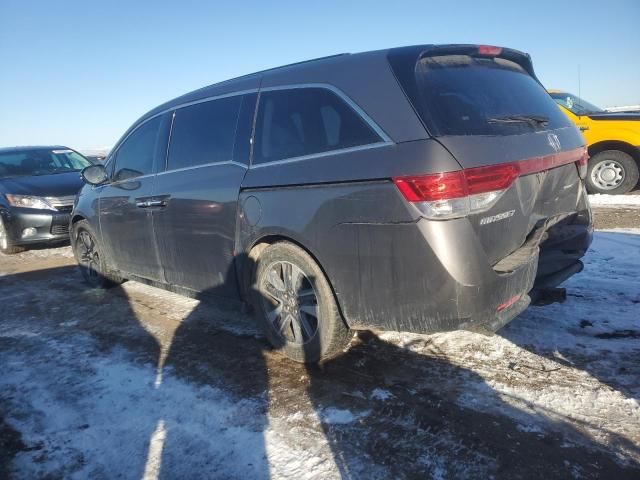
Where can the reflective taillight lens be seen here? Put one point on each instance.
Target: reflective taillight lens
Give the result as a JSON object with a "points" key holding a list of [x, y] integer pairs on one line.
{"points": [[438, 186], [446, 195]]}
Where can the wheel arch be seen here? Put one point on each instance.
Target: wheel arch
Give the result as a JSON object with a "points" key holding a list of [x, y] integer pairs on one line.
{"points": [[76, 218], [256, 247], [615, 145]]}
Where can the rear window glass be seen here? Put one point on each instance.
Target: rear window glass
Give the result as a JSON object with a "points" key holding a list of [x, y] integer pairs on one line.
{"points": [[204, 133], [463, 95], [306, 121]]}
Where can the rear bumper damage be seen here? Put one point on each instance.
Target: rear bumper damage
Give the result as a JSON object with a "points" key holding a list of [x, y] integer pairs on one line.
{"points": [[441, 280]]}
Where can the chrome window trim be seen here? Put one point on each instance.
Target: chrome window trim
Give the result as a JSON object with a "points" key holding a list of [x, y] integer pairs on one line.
{"points": [[176, 107], [376, 128], [211, 164], [386, 140], [127, 180], [196, 102], [209, 99], [114, 152], [328, 153], [116, 183]]}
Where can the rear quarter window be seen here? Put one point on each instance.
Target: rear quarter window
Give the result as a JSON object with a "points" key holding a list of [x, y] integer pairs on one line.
{"points": [[306, 121]]}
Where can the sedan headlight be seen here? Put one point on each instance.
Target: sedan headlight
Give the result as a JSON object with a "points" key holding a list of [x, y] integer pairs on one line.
{"points": [[29, 201]]}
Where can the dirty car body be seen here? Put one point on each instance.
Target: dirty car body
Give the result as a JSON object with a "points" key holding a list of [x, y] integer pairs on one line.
{"points": [[436, 186]]}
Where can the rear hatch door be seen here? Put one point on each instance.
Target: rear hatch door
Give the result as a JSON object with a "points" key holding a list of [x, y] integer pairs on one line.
{"points": [[485, 105]]}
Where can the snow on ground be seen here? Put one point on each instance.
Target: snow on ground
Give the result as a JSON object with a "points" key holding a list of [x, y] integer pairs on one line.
{"points": [[137, 382], [89, 415], [592, 342], [600, 200]]}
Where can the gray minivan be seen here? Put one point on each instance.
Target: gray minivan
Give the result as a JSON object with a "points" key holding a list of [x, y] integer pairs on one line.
{"points": [[420, 189]]}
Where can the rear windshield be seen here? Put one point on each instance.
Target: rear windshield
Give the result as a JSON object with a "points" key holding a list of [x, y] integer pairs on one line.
{"points": [[40, 162], [463, 95]]}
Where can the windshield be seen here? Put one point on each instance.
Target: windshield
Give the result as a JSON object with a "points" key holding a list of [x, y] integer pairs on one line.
{"points": [[464, 95], [575, 104], [40, 162]]}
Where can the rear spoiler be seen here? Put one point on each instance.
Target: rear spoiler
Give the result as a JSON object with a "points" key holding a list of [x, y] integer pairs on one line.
{"points": [[521, 58]]}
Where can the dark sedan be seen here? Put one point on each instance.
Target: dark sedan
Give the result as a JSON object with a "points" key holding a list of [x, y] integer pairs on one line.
{"points": [[37, 188]]}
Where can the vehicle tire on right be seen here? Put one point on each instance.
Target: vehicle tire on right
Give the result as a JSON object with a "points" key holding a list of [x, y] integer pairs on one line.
{"points": [[612, 172]]}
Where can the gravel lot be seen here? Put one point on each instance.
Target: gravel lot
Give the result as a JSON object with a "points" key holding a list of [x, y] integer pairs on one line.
{"points": [[136, 382]]}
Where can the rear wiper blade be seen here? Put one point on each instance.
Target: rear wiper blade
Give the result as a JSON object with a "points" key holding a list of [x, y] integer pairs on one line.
{"points": [[534, 120]]}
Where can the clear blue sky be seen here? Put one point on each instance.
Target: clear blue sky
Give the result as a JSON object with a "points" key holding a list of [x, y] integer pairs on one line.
{"points": [[80, 72]]}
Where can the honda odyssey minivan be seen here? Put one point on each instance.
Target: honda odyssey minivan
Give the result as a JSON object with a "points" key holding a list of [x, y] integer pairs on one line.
{"points": [[419, 189]]}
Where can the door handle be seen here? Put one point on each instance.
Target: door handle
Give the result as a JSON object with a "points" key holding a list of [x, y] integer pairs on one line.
{"points": [[584, 128], [152, 202]]}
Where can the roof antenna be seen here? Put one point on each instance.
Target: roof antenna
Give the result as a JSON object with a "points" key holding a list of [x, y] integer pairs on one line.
{"points": [[579, 89]]}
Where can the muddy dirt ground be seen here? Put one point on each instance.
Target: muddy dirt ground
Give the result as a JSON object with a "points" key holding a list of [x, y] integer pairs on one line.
{"points": [[136, 382]]}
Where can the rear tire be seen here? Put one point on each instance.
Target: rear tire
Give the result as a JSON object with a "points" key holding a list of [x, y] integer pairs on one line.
{"points": [[5, 247], [612, 172], [295, 305], [90, 257]]}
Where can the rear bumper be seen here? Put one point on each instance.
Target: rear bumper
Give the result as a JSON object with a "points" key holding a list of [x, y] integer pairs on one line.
{"points": [[433, 276], [45, 226]]}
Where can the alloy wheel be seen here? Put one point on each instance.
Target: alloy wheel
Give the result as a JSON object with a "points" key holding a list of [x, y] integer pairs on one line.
{"points": [[290, 302]]}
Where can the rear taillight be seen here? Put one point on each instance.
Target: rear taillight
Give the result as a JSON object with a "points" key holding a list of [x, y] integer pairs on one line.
{"points": [[441, 196]]}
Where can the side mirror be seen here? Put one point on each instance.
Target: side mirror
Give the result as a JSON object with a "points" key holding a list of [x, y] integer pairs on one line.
{"points": [[94, 174]]}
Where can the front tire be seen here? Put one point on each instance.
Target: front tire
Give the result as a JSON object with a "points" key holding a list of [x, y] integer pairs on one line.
{"points": [[295, 305], [612, 172], [90, 257]]}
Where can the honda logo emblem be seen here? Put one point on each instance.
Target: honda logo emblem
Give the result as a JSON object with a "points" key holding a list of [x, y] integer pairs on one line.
{"points": [[554, 141]]}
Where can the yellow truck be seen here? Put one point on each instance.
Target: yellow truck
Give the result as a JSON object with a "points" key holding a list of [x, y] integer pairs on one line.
{"points": [[613, 139]]}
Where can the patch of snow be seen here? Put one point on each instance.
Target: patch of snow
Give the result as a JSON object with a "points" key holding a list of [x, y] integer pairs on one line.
{"points": [[381, 394], [74, 416], [529, 428], [294, 417], [339, 416], [601, 200], [565, 368], [561, 364], [70, 323]]}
